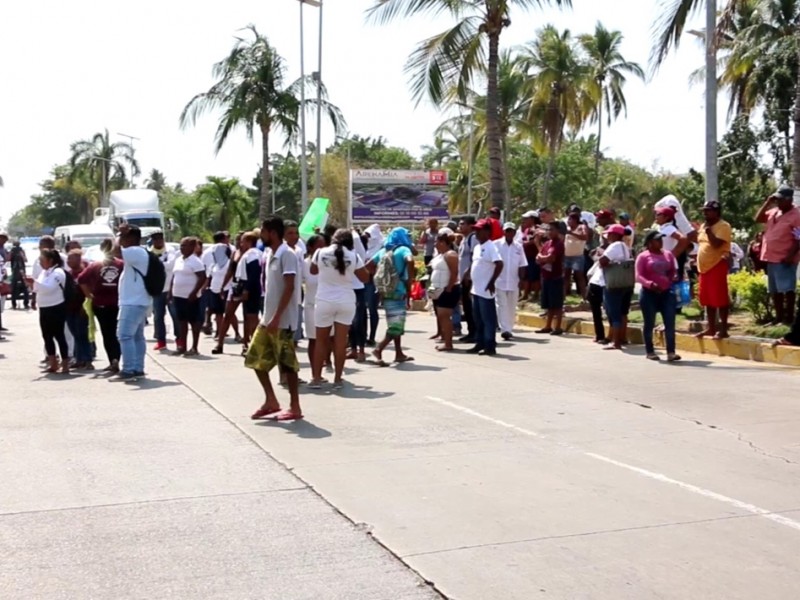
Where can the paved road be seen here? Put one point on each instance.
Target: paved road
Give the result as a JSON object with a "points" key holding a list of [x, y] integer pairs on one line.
{"points": [[554, 470], [114, 491]]}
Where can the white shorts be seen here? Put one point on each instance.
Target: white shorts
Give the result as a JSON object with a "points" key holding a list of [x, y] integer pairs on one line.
{"points": [[310, 319], [328, 313]]}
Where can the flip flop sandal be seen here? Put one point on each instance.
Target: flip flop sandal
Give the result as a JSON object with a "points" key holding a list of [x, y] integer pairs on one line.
{"points": [[264, 413], [286, 415], [405, 359]]}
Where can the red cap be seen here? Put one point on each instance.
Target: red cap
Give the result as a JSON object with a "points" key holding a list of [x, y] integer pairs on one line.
{"points": [[666, 210], [603, 213], [616, 228], [483, 224]]}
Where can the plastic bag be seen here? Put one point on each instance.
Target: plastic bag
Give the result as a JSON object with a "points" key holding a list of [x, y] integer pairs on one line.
{"points": [[417, 291], [683, 292]]}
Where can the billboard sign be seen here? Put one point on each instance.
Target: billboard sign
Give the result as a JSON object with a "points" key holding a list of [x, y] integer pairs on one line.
{"points": [[383, 196]]}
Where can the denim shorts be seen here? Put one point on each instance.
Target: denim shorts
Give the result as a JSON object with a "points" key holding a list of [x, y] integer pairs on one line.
{"points": [[617, 304], [781, 278], [574, 263]]}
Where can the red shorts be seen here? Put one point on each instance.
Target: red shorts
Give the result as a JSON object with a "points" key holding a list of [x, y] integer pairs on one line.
{"points": [[714, 286]]}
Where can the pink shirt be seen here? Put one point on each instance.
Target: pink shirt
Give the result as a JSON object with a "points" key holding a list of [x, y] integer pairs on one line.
{"points": [[779, 240], [655, 268]]}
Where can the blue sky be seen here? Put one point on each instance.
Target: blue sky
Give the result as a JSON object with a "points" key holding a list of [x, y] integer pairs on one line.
{"points": [[69, 69]]}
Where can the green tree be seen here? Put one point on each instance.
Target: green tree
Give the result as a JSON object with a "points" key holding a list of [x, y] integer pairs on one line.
{"points": [[608, 68], [369, 153], [450, 62], [156, 180], [251, 92], [223, 203], [102, 162], [560, 96]]}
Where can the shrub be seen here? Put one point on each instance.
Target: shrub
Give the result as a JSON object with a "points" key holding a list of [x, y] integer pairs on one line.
{"points": [[749, 292]]}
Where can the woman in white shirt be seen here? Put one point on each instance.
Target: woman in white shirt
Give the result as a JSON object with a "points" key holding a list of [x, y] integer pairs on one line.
{"points": [[314, 243], [445, 290], [50, 287], [336, 265], [674, 240], [188, 281]]}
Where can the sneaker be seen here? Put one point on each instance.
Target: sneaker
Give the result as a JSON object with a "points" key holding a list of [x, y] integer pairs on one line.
{"points": [[507, 335], [673, 357], [475, 350], [125, 376], [488, 353], [160, 346]]}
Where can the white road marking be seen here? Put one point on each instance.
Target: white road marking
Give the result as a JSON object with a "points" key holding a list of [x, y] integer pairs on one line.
{"points": [[741, 505]]}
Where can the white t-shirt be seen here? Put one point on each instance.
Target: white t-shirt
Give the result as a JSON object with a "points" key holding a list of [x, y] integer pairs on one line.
{"points": [[513, 257], [248, 257], [131, 283], [668, 230], [207, 259], [167, 258], [49, 287], [311, 282], [483, 258], [184, 276], [332, 285], [300, 253], [616, 252], [37, 269], [358, 248]]}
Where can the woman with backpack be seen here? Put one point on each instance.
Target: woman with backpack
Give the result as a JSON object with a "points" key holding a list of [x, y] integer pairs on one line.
{"points": [[51, 293], [337, 266]]}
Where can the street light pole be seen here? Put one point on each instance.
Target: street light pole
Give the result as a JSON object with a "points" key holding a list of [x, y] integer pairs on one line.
{"points": [[303, 161], [318, 173], [130, 143], [712, 182]]}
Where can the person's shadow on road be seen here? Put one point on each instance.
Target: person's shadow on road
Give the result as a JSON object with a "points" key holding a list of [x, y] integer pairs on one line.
{"points": [[303, 428]]}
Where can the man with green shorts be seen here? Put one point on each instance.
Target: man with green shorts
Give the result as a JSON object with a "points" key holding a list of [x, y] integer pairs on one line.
{"points": [[273, 343]]}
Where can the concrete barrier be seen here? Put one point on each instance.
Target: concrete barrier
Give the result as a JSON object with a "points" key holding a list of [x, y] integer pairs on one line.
{"points": [[745, 348]]}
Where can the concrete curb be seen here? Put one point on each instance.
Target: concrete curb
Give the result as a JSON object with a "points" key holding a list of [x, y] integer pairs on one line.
{"points": [[743, 348]]}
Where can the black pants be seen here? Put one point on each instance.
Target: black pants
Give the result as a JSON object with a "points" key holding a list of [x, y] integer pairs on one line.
{"points": [[107, 318], [19, 288], [595, 297], [52, 320], [466, 305], [358, 330]]}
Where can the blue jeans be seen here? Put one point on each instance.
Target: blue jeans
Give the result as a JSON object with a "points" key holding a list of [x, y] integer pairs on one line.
{"points": [[371, 297], [484, 312], [653, 303], [130, 331], [79, 328], [160, 308], [457, 318]]}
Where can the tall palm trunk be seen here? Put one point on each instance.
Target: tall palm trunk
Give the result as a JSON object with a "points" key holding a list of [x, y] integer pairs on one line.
{"points": [[796, 116], [496, 166], [555, 139], [599, 135], [506, 172], [264, 208]]}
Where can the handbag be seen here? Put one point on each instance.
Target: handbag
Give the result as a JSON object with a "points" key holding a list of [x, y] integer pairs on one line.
{"points": [[621, 275], [434, 293]]}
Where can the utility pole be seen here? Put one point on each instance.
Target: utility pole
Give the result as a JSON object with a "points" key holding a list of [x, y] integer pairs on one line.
{"points": [[712, 182], [130, 143], [318, 173]]}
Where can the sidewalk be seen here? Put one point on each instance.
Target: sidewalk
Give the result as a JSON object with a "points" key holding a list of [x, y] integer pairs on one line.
{"points": [[145, 491]]}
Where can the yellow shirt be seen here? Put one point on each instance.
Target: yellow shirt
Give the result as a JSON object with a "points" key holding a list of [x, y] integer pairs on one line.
{"points": [[708, 256]]}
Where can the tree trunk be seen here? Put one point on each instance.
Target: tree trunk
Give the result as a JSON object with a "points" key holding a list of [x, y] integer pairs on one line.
{"points": [[599, 136], [555, 140], [506, 174], [496, 166], [264, 208]]}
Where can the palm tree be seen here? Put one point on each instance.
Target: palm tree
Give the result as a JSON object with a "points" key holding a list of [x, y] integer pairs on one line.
{"points": [[455, 58], [560, 92], [224, 202], [156, 180], [440, 153], [102, 162], [251, 92], [608, 69]]}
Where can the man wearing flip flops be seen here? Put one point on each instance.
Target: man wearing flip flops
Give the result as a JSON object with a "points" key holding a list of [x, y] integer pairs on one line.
{"points": [[273, 343]]}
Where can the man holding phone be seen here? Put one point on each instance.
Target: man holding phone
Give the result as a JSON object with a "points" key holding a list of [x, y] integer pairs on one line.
{"points": [[780, 250]]}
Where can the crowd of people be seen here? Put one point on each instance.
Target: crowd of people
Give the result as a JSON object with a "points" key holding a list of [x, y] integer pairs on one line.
{"points": [[331, 286]]}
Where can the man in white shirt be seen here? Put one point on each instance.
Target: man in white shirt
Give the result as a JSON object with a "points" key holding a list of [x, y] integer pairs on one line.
{"points": [[160, 303], [134, 303], [514, 265], [486, 268], [291, 235], [188, 283]]}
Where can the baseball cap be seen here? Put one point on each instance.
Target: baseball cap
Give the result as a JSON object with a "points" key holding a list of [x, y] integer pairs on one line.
{"points": [[483, 224], [508, 226], [531, 214], [785, 191], [654, 234], [603, 213], [712, 205], [494, 210], [665, 210], [615, 228], [625, 216]]}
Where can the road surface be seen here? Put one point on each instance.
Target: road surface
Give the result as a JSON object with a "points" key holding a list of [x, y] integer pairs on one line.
{"points": [[555, 470]]}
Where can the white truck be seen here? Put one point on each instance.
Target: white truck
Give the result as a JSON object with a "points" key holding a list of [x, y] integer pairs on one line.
{"points": [[135, 207]]}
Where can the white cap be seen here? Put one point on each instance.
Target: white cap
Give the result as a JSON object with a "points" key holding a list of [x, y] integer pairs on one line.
{"points": [[508, 226], [531, 214]]}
